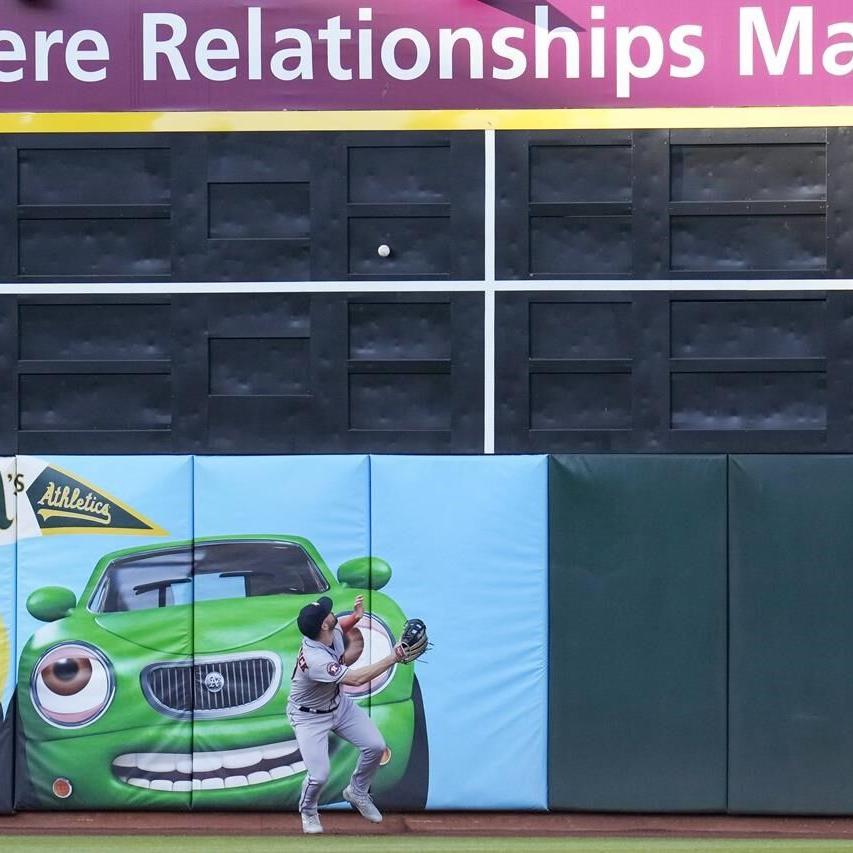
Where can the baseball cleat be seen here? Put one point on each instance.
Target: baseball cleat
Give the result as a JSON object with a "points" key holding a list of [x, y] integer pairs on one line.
{"points": [[311, 824], [364, 804]]}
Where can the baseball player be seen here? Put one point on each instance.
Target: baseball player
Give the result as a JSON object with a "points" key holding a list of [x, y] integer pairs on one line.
{"points": [[318, 706]]}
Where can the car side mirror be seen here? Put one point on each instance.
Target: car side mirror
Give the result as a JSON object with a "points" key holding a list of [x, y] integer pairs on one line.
{"points": [[51, 603], [365, 573]]}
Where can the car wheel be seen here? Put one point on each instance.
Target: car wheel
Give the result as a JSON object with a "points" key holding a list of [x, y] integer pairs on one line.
{"points": [[7, 750], [410, 793]]}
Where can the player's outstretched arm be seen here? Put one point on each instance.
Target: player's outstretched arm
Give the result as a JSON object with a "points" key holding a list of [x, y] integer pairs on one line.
{"points": [[354, 646], [360, 676], [347, 623]]}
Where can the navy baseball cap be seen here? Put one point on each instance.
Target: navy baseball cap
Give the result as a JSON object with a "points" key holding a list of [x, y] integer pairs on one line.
{"points": [[310, 619]]}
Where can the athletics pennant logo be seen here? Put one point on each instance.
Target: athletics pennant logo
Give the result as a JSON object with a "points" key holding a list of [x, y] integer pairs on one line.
{"points": [[63, 503]]}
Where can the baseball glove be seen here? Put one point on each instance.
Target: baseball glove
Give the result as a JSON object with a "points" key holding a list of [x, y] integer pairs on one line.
{"points": [[413, 641]]}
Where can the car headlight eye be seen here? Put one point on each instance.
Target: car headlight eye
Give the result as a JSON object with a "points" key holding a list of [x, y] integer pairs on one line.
{"points": [[72, 685], [378, 643], [67, 676]]}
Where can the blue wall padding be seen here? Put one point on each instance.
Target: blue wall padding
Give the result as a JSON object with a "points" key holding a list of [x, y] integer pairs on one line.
{"points": [[321, 499], [467, 540], [159, 489]]}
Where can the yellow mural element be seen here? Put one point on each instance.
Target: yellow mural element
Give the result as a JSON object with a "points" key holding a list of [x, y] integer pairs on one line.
{"points": [[61, 498], [5, 656], [309, 120]]}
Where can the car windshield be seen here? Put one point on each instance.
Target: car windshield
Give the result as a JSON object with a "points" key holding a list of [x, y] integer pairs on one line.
{"points": [[222, 570]]}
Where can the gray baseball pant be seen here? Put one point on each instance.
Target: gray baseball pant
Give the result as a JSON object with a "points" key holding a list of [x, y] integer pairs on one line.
{"points": [[349, 722]]}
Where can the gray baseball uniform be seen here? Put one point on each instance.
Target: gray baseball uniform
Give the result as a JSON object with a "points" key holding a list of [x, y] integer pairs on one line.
{"points": [[316, 686]]}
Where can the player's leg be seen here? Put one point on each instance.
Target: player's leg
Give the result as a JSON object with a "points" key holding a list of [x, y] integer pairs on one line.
{"points": [[312, 737], [355, 725]]}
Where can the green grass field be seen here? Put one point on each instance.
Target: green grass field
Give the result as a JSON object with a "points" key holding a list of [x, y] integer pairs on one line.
{"points": [[405, 844]]}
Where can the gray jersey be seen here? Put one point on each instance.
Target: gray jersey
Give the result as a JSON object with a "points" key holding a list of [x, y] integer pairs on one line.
{"points": [[318, 673]]}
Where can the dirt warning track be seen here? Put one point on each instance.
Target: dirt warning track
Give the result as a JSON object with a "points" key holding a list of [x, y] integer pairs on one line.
{"points": [[428, 823]]}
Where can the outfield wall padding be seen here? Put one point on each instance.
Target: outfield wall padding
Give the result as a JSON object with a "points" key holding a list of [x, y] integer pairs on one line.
{"points": [[87, 710], [467, 538], [7, 632], [791, 741], [638, 633], [298, 517], [611, 633]]}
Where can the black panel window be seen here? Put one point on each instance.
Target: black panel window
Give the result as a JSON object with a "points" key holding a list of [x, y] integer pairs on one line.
{"points": [[679, 204], [668, 372]]}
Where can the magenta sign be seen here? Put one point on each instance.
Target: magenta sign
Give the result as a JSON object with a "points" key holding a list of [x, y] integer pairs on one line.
{"points": [[111, 55]]}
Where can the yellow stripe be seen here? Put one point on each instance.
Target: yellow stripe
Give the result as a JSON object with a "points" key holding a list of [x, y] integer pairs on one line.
{"points": [[5, 656], [603, 119]]}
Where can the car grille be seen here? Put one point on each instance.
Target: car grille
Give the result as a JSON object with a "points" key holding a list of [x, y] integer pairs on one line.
{"points": [[212, 687]]}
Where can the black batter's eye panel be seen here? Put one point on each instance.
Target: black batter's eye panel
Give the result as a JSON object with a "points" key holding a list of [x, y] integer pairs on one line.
{"points": [[232, 207], [329, 372], [243, 373], [83, 331], [674, 204], [68, 176], [658, 372]]}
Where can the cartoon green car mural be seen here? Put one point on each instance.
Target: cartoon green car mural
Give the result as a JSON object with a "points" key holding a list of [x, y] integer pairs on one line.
{"points": [[165, 685]]}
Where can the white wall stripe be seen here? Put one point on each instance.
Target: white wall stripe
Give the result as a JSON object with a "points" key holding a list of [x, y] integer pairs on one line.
{"points": [[675, 285], [489, 373], [432, 286], [491, 203], [489, 298], [111, 288]]}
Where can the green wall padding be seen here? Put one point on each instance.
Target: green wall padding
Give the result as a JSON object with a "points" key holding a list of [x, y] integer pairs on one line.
{"points": [[791, 718], [637, 699]]}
